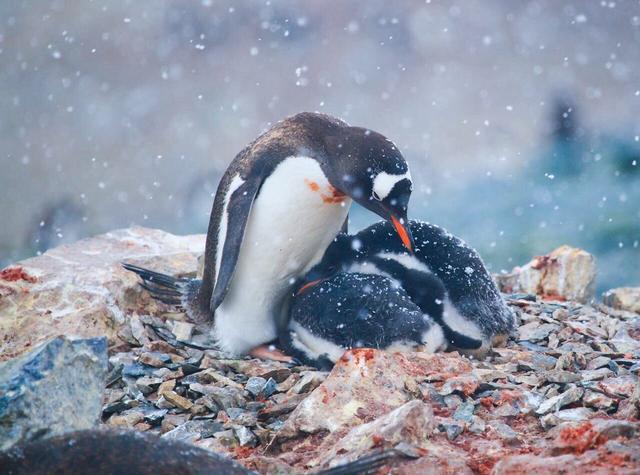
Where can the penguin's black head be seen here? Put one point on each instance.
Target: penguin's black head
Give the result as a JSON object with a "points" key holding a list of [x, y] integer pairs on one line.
{"points": [[372, 171]]}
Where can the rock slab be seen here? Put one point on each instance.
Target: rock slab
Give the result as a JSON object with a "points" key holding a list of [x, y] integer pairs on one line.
{"points": [[566, 273], [623, 298], [81, 289], [55, 388]]}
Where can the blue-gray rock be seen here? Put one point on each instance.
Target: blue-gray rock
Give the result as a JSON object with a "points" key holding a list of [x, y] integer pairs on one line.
{"points": [[255, 385], [464, 412], [55, 388], [269, 387]]}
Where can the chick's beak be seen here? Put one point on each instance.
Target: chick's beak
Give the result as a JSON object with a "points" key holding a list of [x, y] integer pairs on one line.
{"points": [[400, 225]]}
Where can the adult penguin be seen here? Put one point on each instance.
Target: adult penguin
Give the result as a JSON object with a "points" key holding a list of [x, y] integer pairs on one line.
{"points": [[279, 204]]}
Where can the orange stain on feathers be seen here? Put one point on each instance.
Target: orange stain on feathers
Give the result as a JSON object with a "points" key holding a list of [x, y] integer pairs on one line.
{"points": [[312, 184], [332, 196]]}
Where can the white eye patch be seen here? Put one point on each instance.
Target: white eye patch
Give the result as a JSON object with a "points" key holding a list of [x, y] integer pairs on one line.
{"points": [[384, 182]]}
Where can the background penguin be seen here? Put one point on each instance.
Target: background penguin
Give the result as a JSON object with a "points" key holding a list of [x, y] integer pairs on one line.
{"points": [[475, 315], [278, 206], [352, 310], [111, 452]]}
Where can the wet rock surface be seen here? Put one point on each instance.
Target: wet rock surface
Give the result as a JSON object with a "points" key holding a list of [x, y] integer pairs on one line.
{"points": [[55, 388], [563, 394]]}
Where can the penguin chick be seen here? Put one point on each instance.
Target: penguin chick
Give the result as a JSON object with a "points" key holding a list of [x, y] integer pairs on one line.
{"points": [[352, 310], [475, 315]]}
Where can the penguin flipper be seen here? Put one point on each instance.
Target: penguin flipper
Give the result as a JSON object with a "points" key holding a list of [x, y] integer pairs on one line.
{"points": [[238, 211], [345, 226]]}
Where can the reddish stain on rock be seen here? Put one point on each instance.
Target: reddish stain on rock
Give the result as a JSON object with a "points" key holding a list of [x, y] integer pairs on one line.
{"points": [[578, 439], [377, 440], [487, 402], [243, 452], [13, 274], [325, 395]]}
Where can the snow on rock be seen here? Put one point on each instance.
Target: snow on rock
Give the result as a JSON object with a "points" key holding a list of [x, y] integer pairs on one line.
{"points": [[81, 289]]}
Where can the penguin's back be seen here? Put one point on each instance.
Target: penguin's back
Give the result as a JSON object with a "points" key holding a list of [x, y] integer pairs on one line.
{"points": [[107, 452]]}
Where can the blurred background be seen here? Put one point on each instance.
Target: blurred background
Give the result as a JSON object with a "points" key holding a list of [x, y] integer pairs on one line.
{"points": [[520, 119]]}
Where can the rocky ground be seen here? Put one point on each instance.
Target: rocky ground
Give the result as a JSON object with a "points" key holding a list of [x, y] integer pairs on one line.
{"points": [[562, 396]]}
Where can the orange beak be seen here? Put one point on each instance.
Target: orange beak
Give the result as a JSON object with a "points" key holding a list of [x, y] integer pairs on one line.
{"points": [[308, 285], [402, 232]]}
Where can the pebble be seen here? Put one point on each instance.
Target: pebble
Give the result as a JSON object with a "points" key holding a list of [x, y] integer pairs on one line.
{"points": [[464, 412], [155, 359], [308, 382], [182, 330], [255, 384], [242, 417], [453, 430], [504, 432], [148, 384], [571, 395], [245, 436], [177, 400]]}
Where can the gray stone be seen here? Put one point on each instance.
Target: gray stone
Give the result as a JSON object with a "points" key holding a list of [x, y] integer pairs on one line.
{"points": [[269, 387], [192, 431], [571, 395], [598, 362], [226, 397], [453, 430], [562, 377], [596, 374], [598, 400], [464, 412], [533, 331], [308, 382], [148, 384], [478, 426], [245, 436], [241, 417], [255, 385], [505, 432], [577, 414], [55, 388]]}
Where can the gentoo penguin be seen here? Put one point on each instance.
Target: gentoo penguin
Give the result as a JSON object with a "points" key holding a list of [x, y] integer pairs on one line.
{"points": [[109, 452], [352, 310], [474, 317], [278, 206]]}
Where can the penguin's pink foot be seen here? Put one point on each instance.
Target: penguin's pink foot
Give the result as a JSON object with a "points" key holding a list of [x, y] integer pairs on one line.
{"points": [[270, 352]]}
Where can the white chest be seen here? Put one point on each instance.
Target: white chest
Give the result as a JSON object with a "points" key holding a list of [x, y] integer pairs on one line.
{"points": [[294, 218]]}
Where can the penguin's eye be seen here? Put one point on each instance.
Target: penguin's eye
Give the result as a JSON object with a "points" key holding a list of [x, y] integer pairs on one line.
{"points": [[376, 196]]}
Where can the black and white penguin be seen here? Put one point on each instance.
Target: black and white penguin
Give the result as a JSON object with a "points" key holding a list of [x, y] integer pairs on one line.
{"points": [[108, 452], [474, 316], [278, 206], [353, 310]]}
